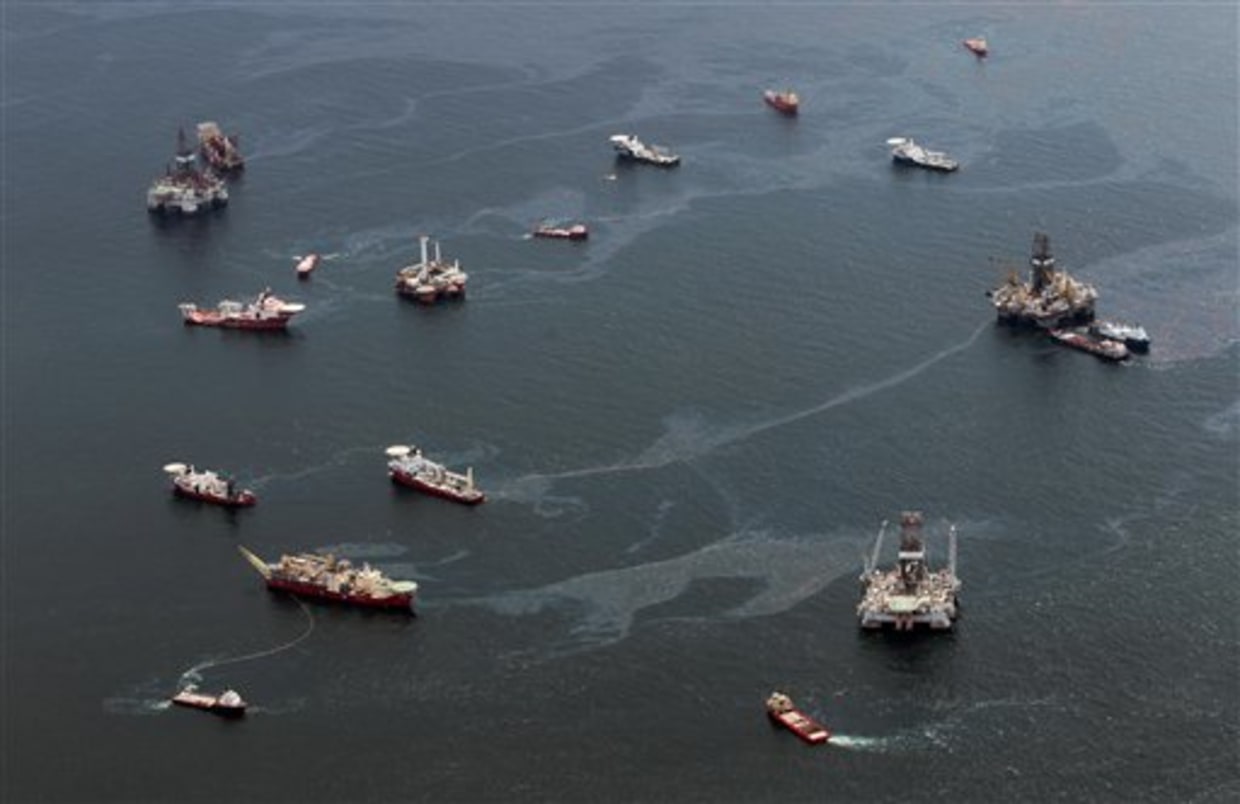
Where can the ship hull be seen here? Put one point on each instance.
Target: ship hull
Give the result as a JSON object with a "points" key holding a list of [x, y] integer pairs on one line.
{"points": [[243, 499], [780, 104], [938, 167], [208, 704], [416, 483], [802, 725], [209, 318], [402, 601], [935, 621], [1101, 348], [562, 234]]}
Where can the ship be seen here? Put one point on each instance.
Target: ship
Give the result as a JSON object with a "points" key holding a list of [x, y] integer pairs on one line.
{"points": [[1131, 335], [782, 711], [559, 230], [431, 280], [228, 703], [336, 580], [977, 46], [1050, 299], [407, 466], [208, 486], [911, 594], [904, 151], [184, 189], [1104, 348], [307, 264], [629, 147], [786, 101], [219, 149], [265, 312]]}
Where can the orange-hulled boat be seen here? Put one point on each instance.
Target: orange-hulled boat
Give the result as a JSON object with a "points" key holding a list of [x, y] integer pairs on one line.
{"points": [[228, 703], [782, 711], [786, 102]]}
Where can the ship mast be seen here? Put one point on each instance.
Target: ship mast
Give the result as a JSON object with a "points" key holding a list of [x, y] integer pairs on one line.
{"points": [[951, 550]]}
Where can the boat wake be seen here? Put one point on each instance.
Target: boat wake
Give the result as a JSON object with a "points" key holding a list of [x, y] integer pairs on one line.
{"points": [[194, 674], [155, 701]]}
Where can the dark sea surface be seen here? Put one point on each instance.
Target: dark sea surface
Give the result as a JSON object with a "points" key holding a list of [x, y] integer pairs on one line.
{"points": [[689, 427]]}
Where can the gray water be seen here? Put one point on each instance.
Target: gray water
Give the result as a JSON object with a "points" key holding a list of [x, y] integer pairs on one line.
{"points": [[689, 427]]}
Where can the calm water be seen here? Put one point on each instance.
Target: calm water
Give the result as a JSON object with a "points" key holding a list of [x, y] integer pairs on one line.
{"points": [[690, 426]]}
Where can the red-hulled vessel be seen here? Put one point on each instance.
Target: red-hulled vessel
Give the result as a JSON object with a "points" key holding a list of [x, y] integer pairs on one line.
{"points": [[977, 46], [408, 467], [781, 710], [307, 264], [265, 312], [786, 101], [208, 486], [228, 703], [1100, 347], [325, 577], [562, 231]]}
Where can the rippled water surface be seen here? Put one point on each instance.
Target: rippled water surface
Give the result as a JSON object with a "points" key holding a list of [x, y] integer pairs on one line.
{"points": [[689, 427]]}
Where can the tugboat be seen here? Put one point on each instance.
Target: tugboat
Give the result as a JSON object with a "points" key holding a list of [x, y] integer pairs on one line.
{"points": [[429, 280], [219, 149], [228, 703], [911, 594], [408, 467], [265, 312], [208, 486], [559, 230], [782, 711], [906, 152], [184, 189], [1131, 335], [977, 46], [1051, 299], [1100, 347], [325, 577], [307, 264], [786, 102], [629, 147]]}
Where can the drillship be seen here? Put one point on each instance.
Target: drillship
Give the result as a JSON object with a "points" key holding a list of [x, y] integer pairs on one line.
{"points": [[911, 594], [325, 577]]}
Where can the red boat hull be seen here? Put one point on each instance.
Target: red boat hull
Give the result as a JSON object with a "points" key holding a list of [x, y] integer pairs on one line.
{"points": [[801, 725], [208, 704], [412, 482], [203, 318], [403, 601], [775, 101], [243, 499]]}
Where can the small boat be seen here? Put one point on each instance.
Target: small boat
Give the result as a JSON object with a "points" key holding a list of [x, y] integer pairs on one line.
{"points": [[265, 312], [977, 45], [562, 231], [228, 703], [781, 710], [408, 467], [307, 264], [906, 152], [786, 101], [1103, 348], [209, 486], [1131, 335], [629, 147]]}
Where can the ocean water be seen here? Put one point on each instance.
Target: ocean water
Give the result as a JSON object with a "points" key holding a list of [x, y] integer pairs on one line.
{"points": [[690, 427]]}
